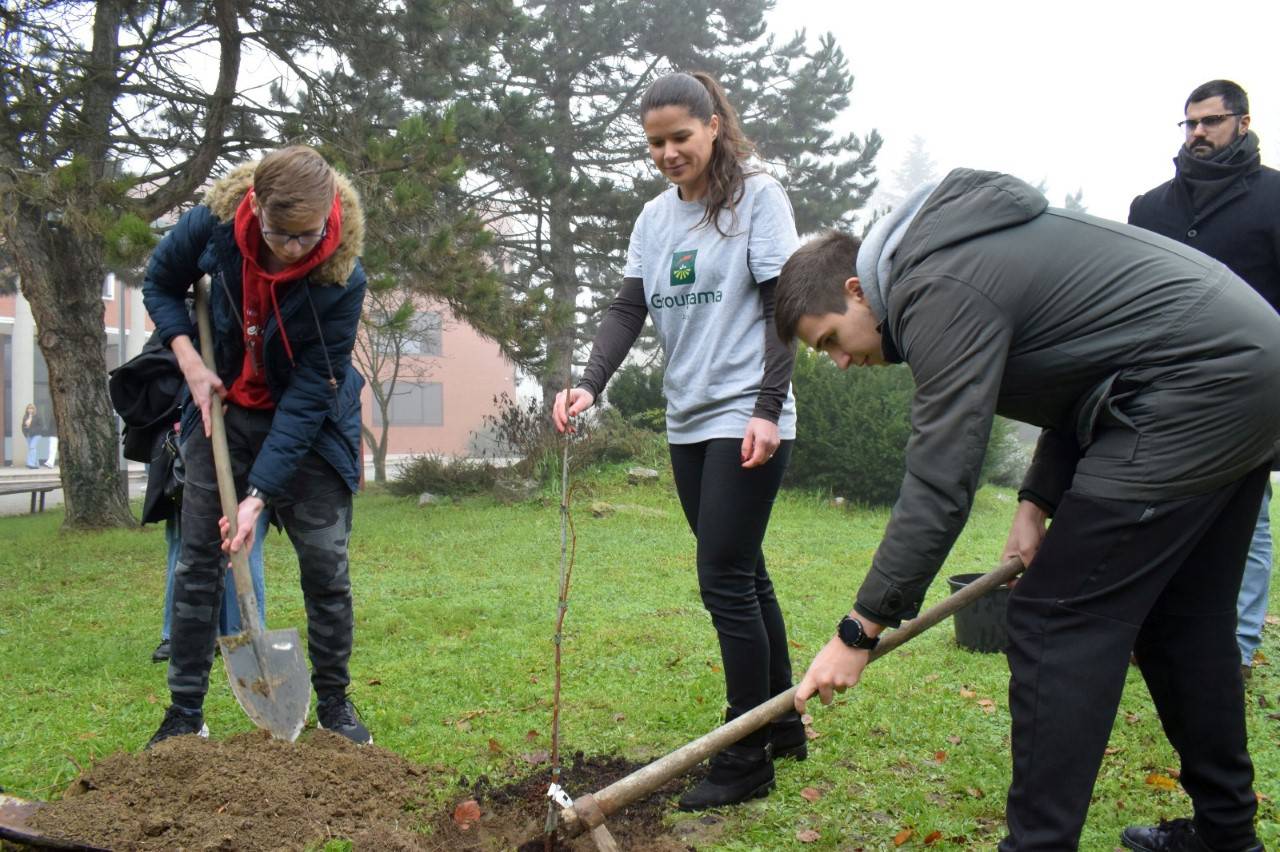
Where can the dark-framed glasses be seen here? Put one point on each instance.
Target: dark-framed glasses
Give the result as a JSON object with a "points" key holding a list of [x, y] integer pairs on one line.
{"points": [[1209, 121], [305, 241]]}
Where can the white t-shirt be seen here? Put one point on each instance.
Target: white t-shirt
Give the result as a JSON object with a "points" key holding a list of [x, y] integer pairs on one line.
{"points": [[700, 287]]}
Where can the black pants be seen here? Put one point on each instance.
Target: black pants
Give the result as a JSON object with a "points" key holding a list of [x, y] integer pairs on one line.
{"points": [[1113, 577], [316, 515], [728, 508]]}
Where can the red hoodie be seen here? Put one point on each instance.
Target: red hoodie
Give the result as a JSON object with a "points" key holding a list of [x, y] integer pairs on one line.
{"points": [[249, 390]]}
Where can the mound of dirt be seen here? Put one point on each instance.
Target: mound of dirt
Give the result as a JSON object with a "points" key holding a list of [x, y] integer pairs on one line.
{"points": [[250, 792]]}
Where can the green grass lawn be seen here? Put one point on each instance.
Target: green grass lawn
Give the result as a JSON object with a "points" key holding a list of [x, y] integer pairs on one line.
{"points": [[453, 664]]}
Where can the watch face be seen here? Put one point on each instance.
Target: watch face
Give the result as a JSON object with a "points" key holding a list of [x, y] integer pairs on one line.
{"points": [[851, 632]]}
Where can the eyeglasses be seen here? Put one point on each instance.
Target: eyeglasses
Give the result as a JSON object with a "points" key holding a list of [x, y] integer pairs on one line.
{"points": [[1209, 121], [303, 240]]}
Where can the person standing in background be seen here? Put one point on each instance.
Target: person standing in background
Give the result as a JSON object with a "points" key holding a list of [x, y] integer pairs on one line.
{"points": [[1224, 202]]}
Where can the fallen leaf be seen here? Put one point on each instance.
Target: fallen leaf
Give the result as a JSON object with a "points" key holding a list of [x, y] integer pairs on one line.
{"points": [[953, 739], [462, 725], [698, 698], [987, 705], [975, 792], [903, 836], [715, 667], [533, 678], [811, 794], [465, 814], [87, 735], [530, 735], [1273, 620], [807, 835], [619, 717], [932, 837], [1112, 750], [794, 644], [968, 693], [494, 746], [939, 756], [1175, 774], [533, 758], [1161, 782], [151, 698], [1261, 797], [374, 682], [930, 678], [1132, 718]]}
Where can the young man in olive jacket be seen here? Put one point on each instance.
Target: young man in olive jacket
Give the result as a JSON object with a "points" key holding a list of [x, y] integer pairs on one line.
{"points": [[1154, 373], [281, 241], [1225, 203]]}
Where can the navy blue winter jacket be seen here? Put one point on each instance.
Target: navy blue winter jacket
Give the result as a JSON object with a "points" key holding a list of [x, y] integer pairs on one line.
{"points": [[317, 395]]}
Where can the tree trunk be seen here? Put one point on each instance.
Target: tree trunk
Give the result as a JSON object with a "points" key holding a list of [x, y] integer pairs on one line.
{"points": [[61, 277]]}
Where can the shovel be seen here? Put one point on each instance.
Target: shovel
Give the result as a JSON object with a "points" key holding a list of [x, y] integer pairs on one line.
{"points": [[267, 673], [588, 812]]}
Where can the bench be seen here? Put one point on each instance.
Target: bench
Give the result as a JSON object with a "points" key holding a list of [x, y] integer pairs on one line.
{"points": [[38, 486]]}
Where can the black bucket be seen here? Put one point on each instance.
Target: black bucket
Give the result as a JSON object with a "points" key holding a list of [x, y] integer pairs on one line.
{"points": [[980, 626]]}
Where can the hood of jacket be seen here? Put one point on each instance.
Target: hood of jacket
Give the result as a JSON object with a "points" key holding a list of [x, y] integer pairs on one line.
{"points": [[966, 204], [226, 193]]}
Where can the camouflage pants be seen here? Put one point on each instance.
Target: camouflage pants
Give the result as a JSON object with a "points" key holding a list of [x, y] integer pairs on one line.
{"points": [[316, 515]]}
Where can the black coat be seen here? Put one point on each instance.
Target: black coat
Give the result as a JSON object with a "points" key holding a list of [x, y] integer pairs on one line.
{"points": [[1240, 228]]}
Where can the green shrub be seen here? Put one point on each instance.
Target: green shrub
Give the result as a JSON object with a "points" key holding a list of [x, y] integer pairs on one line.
{"points": [[636, 392], [455, 477], [852, 429]]}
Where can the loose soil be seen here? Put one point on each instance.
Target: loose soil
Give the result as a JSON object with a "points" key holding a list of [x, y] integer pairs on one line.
{"points": [[250, 792]]}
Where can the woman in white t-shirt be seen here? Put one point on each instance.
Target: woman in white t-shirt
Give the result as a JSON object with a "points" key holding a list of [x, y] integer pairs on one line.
{"points": [[703, 262]]}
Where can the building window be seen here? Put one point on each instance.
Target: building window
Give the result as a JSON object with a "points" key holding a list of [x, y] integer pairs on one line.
{"points": [[425, 335], [414, 404]]}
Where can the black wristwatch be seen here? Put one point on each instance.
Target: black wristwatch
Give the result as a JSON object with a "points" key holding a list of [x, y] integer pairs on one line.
{"points": [[853, 634], [254, 491]]}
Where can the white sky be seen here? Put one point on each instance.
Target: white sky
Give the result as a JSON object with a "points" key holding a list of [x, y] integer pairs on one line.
{"points": [[1083, 94]]}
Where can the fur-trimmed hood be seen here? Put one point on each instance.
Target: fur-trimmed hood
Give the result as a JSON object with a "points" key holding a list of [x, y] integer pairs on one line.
{"points": [[225, 195]]}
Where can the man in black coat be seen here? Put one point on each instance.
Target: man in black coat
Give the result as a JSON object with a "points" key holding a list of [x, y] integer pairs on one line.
{"points": [[1225, 203]]}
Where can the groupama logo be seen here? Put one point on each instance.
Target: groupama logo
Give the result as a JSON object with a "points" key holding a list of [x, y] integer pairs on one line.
{"points": [[682, 267]]}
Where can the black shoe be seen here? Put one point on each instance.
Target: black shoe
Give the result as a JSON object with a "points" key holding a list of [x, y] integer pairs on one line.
{"points": [[177, 724], [787, 737], [1176, 835], [737, 774], [336, 713], [161, 653]]}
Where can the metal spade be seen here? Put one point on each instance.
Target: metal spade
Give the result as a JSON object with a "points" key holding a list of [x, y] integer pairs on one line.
{"points": [[265, 667]]}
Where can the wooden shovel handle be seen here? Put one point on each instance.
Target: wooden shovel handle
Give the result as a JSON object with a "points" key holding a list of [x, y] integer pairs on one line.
{"points": [[245, 594]]}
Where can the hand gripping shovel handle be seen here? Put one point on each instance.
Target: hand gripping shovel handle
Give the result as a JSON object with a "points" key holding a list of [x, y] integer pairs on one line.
{"points": [[245, 594], [590, 810]]}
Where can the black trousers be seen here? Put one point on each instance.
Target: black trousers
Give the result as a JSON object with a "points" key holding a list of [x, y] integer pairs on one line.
{"points": [[728, 510], [1113, 577], [316, 515]]}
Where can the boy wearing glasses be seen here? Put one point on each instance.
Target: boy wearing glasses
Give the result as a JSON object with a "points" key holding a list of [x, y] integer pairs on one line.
{"points": [[1154, 374], [280, 240], [1225, 203]]}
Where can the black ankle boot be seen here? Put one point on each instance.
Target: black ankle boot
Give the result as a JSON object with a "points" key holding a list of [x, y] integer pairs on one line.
{"points": [[1177, 835], [787, 737], [737, 774]]}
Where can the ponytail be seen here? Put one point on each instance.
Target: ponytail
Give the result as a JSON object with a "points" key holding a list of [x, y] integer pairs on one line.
{"points": [[703, 97]]}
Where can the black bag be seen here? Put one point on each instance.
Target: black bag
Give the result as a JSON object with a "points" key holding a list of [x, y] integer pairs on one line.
{"points": [[163, 497], [147, 392]]}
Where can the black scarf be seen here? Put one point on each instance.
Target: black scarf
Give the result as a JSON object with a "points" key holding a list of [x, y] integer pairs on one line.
{"points": [[1206, 179]]}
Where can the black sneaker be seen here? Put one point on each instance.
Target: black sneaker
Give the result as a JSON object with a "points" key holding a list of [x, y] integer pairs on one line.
{"points": [[1175, 835], [787, 737], [177, 724], [336, 713], [737, 774], [161, 653]]}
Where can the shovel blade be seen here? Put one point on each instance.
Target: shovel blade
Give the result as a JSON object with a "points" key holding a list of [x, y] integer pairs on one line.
{"points": [[277, 698]]}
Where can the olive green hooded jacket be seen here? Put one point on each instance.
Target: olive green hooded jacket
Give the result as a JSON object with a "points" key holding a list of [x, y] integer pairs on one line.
{"points": [[1153, 371]]}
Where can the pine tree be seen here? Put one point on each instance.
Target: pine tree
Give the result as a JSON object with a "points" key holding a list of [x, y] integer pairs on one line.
{"points": [[552, 134]]}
